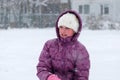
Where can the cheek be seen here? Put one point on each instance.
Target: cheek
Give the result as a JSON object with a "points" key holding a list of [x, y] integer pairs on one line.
{"points": [[60, 31], [70, 33]]}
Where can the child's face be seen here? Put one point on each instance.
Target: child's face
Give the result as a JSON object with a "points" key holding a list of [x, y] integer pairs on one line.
{"points": [[65, 32]]}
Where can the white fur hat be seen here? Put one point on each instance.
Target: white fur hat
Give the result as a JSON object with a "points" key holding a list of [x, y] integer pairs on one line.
{"points": [[69, 20]]}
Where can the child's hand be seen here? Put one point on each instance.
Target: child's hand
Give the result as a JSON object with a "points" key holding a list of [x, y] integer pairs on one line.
{"points": [[53, 77]]}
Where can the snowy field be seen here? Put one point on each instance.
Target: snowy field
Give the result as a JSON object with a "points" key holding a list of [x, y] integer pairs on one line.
{"points": [[20, 49]]}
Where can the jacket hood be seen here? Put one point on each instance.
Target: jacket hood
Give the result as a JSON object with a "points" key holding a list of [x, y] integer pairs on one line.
{"points": [[76, 35]]}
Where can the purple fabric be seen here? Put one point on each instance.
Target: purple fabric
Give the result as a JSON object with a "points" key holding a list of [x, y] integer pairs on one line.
{"points": [[67, 58]]}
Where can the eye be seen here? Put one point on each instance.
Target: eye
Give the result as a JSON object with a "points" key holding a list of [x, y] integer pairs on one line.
{"points": [[67, 28], [61, 27]]}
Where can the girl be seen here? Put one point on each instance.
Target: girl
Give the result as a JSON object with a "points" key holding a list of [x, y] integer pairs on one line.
{"points": [[65, 58]]}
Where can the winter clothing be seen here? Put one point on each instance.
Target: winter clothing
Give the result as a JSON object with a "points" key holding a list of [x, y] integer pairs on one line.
{"points": [[65, 57], [69, 20]]}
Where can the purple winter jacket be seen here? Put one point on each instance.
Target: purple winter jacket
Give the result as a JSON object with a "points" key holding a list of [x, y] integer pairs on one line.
{"points": [[67, 58]]}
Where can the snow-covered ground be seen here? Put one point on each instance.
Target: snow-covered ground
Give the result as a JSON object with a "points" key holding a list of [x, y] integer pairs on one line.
{"points": [[20, 49]]}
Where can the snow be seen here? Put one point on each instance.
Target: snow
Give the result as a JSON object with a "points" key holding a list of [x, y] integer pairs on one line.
{"points": [[20, 49]]}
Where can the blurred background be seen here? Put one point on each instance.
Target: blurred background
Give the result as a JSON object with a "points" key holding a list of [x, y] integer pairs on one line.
{"points": [[102, 14]]}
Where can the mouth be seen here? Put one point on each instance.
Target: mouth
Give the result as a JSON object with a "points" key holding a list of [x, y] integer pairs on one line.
{"points": [[64, 35]]}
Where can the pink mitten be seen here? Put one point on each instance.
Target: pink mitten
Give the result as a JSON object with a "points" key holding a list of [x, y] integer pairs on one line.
{"points": [[53, 77]]}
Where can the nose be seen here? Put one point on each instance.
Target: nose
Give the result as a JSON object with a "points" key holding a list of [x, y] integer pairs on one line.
{"points": [[63, 29]]}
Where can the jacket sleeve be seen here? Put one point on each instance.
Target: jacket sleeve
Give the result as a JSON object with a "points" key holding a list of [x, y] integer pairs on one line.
{"points": [[82, 65], [44, 64]]}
